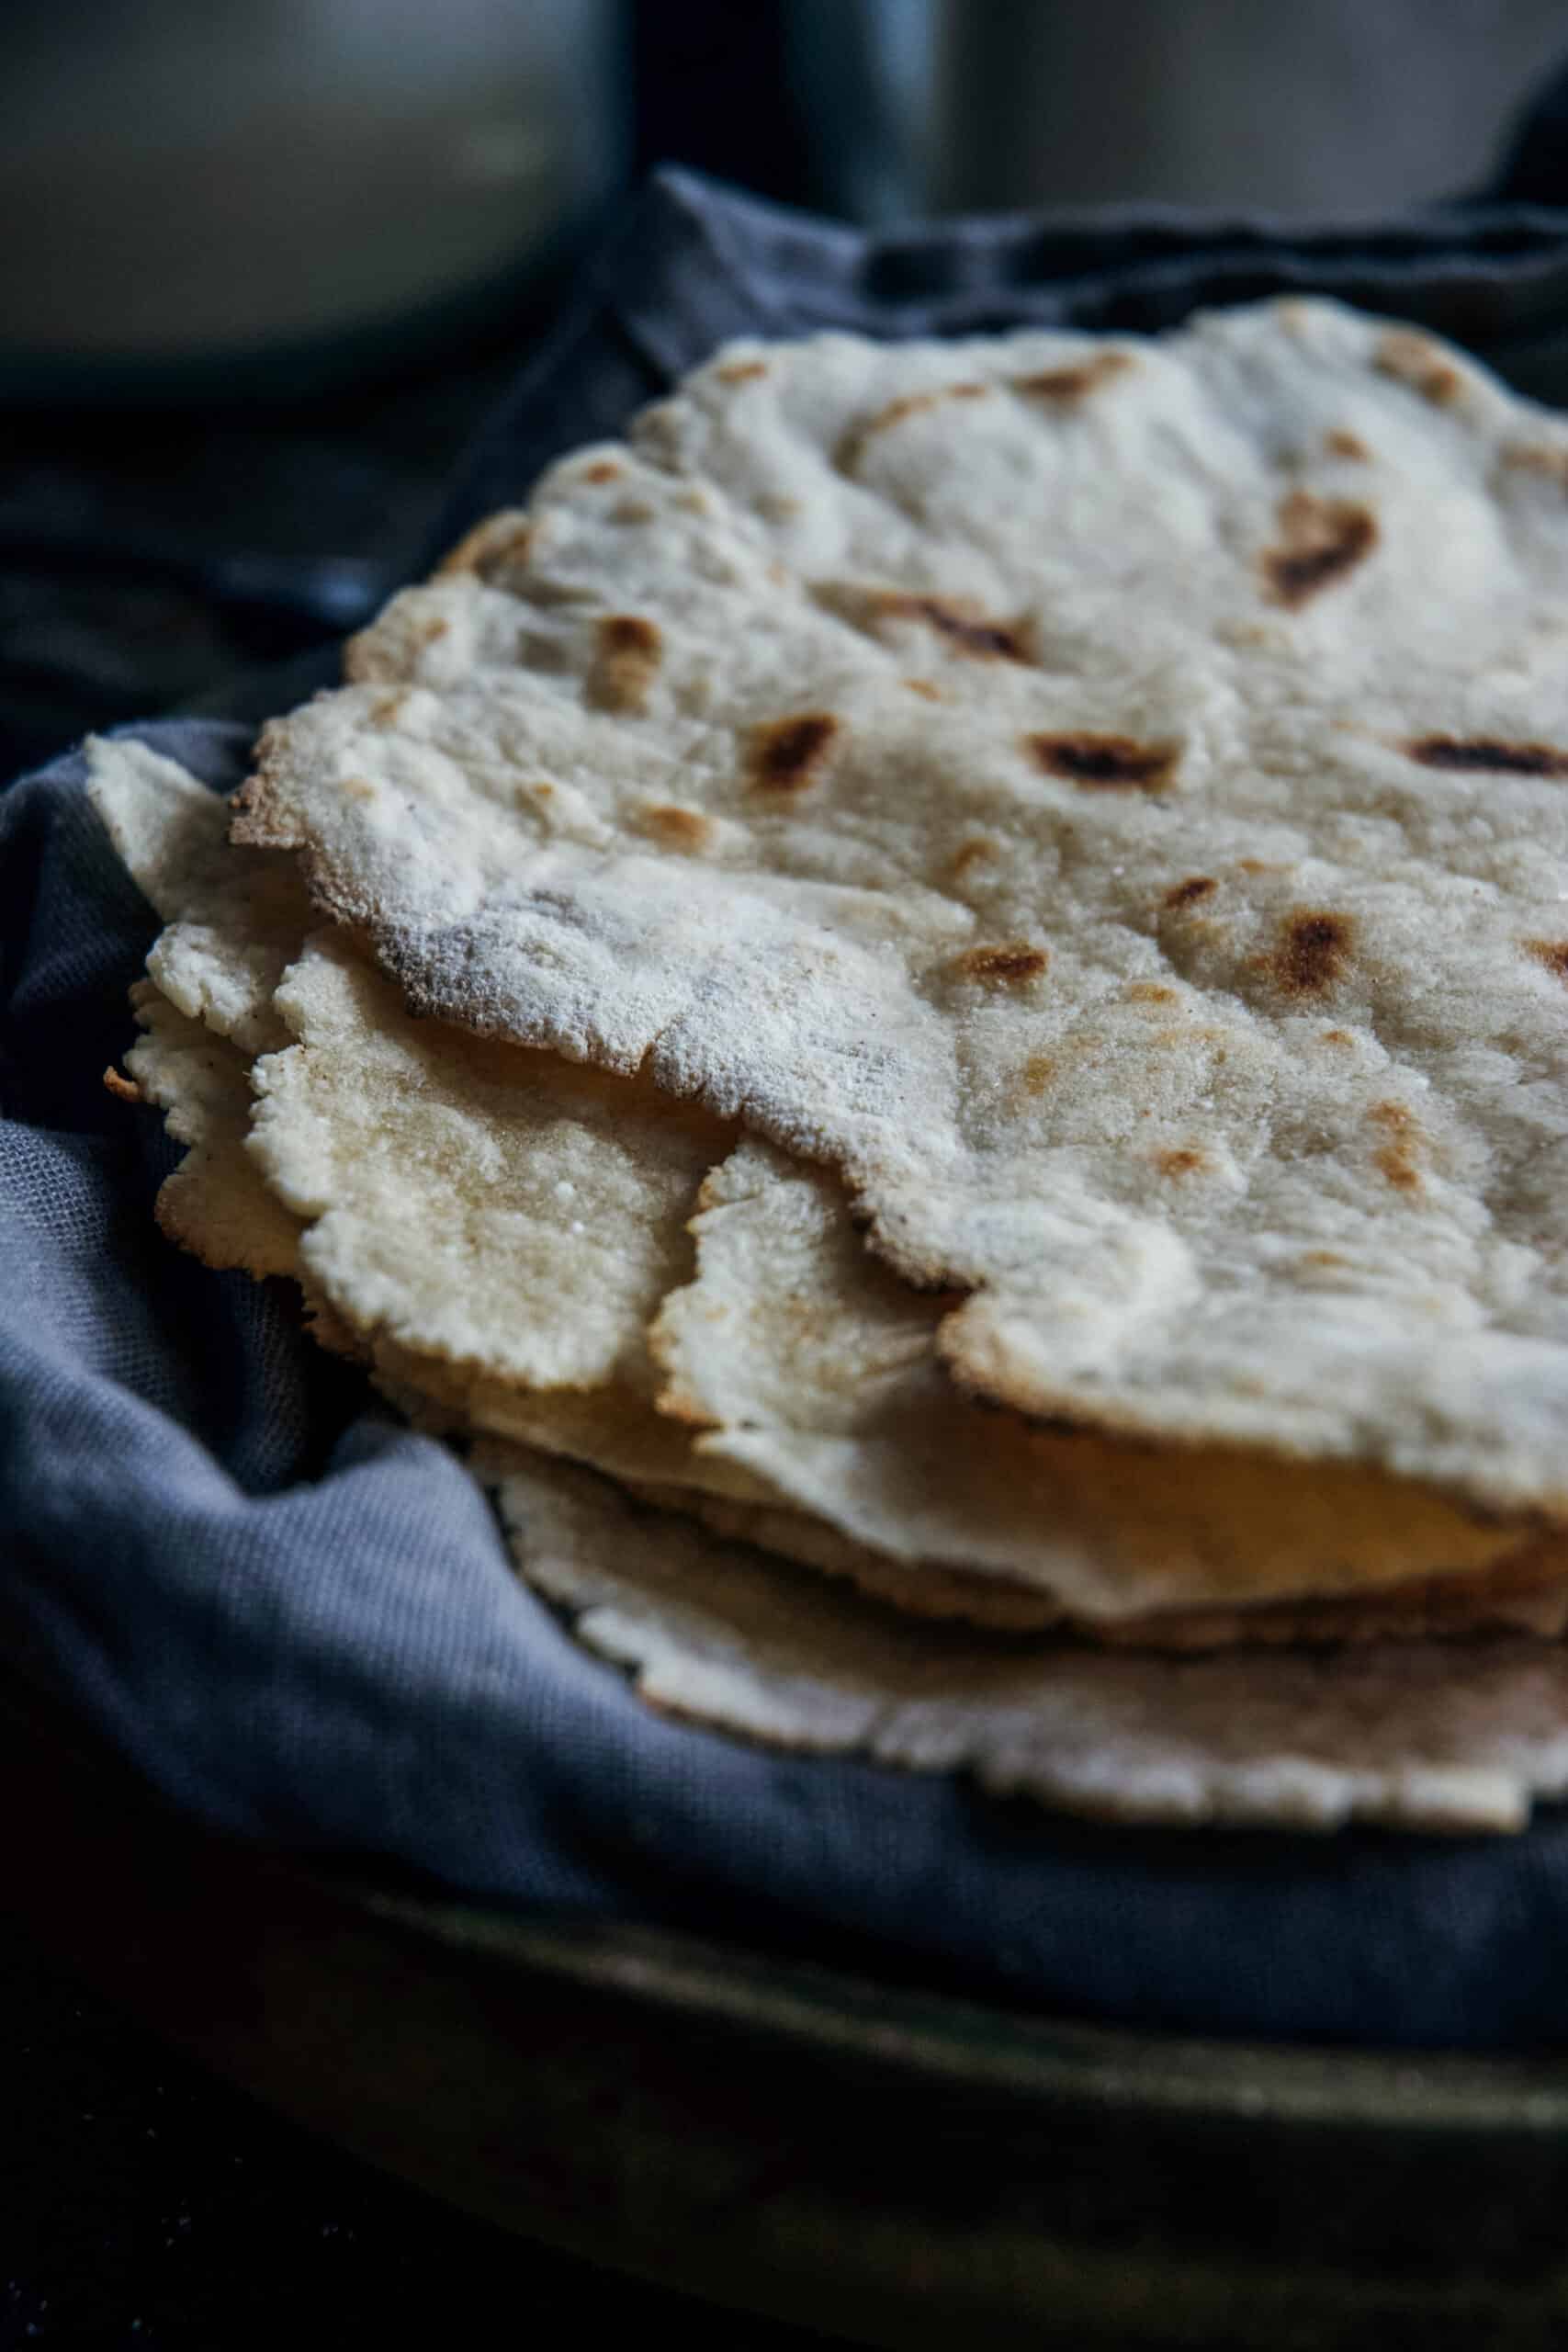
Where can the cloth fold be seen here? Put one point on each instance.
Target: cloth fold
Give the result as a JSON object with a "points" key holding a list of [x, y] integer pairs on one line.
{"points": [[296, 1619]]}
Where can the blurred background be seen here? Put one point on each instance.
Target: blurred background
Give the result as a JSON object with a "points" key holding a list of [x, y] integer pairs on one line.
{"points": [[268, 261]]}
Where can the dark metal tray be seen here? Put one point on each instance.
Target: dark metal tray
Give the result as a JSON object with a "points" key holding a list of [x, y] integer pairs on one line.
{"points": [[888, 2165]]}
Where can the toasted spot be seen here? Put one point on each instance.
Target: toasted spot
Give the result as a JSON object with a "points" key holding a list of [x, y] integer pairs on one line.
{"points": [[1337, 1037], [389, 709], [1183, 1160], [1425, 366], [499, 540], [1341, 444], [1322, 1258], [124, 1088], [677, 828], [1149, 992], [357, 787], [1320, 540], [602, 470], [626, 653], [1550, 952], [923, 687], [1009, 962], [854, 446], [1313, 950], [1066, 386], [1257, 865], [1117, 761], [1465, 754], [1187, 893], [432, 631], [1191, 1034], [1550, 459], [777, 507], [1394, 1162], [967, 630], [970, 854], [785, 754], [741, 371], [1038, 1072], [1397, 1117]]}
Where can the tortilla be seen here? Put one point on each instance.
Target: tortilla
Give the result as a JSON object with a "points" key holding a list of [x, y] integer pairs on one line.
{"points": [[1423, 1734], [496, 1230], [232, 919], [1105, 797], [796, 1357], [216, 1205]]}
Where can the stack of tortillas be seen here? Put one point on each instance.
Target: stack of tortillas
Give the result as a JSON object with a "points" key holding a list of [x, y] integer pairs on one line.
{"points": [[934, 997]]}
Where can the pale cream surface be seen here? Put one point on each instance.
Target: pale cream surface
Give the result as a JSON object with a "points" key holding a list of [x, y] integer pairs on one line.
{"points": [[497, 1228], [1112, 799], [1422, 1735]]}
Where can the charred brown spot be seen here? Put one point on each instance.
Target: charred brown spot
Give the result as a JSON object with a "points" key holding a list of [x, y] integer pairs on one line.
{"points": [[1117, 763], [1149, 992], [1313, 950], [854, 446], [1337, 1037], [677, 828], [1396, 1164], [969, 855], [1065, 385], [628, 650], [1467, 754], [1183, 1160], [966, 632], [1322, 1258], [1425, 366], [742, 371], [1320, 540], [1550, 952], [602, 470], [1038, 1072], [1009, 963], [125, 1089], [1341, 444], [924, 687], [500, 539], [1187, 893], [1548, 459], [786, 754]]}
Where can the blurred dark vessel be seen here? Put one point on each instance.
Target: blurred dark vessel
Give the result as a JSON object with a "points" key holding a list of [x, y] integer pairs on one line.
{"points": [[232, 190]]}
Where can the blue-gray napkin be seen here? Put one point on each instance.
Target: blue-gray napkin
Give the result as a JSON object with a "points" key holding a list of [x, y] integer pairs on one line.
{"points": [[298, 1620]]}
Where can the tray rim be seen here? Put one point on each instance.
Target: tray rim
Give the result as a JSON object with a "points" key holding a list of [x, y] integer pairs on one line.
{"points": [[964, 2042]]}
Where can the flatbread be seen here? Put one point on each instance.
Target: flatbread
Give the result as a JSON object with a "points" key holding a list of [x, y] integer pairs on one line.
{"points": [[231, 918], [494, 1230], [1425, 1736], [217, 1204], [1107, 798], [495, 1208], [798, 1358]]}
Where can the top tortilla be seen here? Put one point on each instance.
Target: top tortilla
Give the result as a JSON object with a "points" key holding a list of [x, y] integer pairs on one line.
{"points": [[1112, 800], [494, 1229]]}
